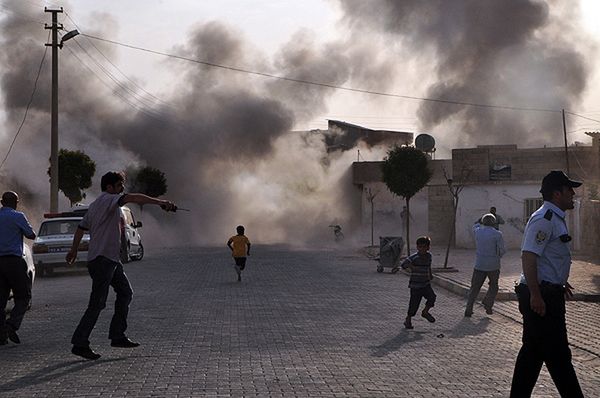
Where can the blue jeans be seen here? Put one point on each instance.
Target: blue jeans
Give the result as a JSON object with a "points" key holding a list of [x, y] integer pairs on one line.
{"points": [[105, 273]]}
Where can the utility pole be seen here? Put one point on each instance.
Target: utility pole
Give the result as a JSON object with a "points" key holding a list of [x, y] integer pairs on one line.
{"points": [[54, 123], [566, 146]]}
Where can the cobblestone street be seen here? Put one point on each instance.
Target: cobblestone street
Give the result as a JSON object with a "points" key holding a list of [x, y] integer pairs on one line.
{"points": [[302, 323]]}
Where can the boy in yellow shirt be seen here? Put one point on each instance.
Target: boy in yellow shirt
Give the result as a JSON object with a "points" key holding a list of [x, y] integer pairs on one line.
{"points": [[240, 249]]}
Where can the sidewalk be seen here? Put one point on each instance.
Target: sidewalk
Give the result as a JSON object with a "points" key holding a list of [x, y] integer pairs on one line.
{"points": [[584, 277]]}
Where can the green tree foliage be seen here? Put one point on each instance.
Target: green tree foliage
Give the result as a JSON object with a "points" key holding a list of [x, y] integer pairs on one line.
{"points": [[148, 180], [406, 172], [75, 172]]}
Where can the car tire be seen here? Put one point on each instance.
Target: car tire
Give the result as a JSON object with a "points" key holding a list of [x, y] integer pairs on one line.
{"points": [[140, 252]]}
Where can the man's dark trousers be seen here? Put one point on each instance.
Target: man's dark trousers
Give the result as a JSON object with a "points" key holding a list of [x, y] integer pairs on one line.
{"points": [[13, 275], [544, 341], [105, 273], [476, 282]]}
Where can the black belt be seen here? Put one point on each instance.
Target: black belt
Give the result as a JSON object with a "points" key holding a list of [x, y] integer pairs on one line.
{"points": [[10, 256]]}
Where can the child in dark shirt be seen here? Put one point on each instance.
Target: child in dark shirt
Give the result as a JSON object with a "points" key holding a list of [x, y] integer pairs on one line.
{"points": [[420, 281]]}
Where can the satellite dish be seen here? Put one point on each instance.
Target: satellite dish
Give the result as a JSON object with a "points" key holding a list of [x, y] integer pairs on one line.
{"points": [[425, 142]]}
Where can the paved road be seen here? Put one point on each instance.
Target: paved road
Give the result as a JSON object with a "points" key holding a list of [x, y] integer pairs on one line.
{"points": [[302, 323]]}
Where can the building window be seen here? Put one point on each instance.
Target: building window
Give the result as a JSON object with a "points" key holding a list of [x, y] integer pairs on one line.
{"points": [[532, 205]]}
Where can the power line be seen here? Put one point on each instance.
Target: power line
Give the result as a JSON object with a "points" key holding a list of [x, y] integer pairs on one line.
{"points": [[28, 105], [148, 113], [327, 85], [115, 66], [114, 79], [583, 117]]}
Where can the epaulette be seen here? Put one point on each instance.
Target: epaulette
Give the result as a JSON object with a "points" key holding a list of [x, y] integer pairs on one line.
{"points": [[548, 215]]}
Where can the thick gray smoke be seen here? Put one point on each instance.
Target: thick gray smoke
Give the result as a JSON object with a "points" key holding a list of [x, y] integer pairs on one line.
{"points": [[224, 140], [508, 52]]}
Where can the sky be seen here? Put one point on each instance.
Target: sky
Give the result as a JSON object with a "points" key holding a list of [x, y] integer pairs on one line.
{"points": [[230, 142], [268, 25]]}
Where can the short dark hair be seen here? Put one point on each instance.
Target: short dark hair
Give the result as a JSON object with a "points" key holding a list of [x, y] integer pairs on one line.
{"points": [[111, 178], [240, 229], [424, 240]]}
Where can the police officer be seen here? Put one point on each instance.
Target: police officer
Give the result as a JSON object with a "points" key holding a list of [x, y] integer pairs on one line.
{"points": [[546, 260], [13, 268]]}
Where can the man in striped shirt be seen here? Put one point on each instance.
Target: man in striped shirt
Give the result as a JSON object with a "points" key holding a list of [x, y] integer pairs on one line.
{"points": [[420, 281]]}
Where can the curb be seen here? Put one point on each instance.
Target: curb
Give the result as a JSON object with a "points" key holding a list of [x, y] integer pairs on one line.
{"points": [[463, 290]]}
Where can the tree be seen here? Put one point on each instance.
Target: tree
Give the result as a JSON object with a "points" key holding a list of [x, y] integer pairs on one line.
{"points": [[75, 172], [371, 198], [406, 172], [455, 188], [147, 180]]}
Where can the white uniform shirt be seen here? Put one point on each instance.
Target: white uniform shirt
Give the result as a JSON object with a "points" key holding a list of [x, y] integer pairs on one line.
{"points": [[543, 237]]}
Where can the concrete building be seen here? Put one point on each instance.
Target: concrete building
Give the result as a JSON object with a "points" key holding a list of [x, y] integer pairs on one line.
{"points": [[503, 176]]}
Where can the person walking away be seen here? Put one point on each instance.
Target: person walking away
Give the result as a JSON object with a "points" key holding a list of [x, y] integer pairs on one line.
{"points": [[419, 264], [13, 268], [490, 248], [240, 249], [546, 260], [102, 220], [499, 220]]}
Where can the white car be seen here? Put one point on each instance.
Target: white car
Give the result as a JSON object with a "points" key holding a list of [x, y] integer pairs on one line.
{"points": [[54, 241], [131, 240]]}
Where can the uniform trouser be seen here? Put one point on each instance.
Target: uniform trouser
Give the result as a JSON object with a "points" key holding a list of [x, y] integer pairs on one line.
{"points": [[544, 341], [13, 275], [476, 282], [105, 273], [416, 294]]}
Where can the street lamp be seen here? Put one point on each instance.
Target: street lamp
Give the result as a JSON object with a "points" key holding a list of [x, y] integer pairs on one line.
{"points": [[55, 26]]}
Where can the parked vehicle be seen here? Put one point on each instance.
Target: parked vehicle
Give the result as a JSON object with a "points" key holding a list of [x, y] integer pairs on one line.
{"points": [[131, 240], [56, 233], [54, 240]]}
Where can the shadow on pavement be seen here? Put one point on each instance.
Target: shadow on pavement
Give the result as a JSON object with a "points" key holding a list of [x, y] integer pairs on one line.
{"points": [[469, 327], [394, 344], [53, 372]]}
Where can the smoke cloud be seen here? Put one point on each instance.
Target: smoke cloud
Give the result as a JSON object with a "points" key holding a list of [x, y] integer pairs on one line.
{"points": [[514, 53], [225, 140]]}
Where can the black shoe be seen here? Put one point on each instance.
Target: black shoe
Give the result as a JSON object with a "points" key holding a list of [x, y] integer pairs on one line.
{"points": [[468, 314], [408, 324], [489, 311], [124, 343], [85, 352], [4, 342], [428, 316], [12, 335], [239, 277]]}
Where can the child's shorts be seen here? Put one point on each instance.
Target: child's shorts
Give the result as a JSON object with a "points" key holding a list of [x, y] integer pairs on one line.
{"points": [[240, 262]]}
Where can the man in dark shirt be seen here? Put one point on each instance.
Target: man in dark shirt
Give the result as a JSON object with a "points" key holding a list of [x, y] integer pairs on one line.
{"points": [[420, 281], [103, 222], [13, 268]]}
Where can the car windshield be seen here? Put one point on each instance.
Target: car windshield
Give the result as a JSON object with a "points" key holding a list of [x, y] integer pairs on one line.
{"points": [[59, 227]]}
